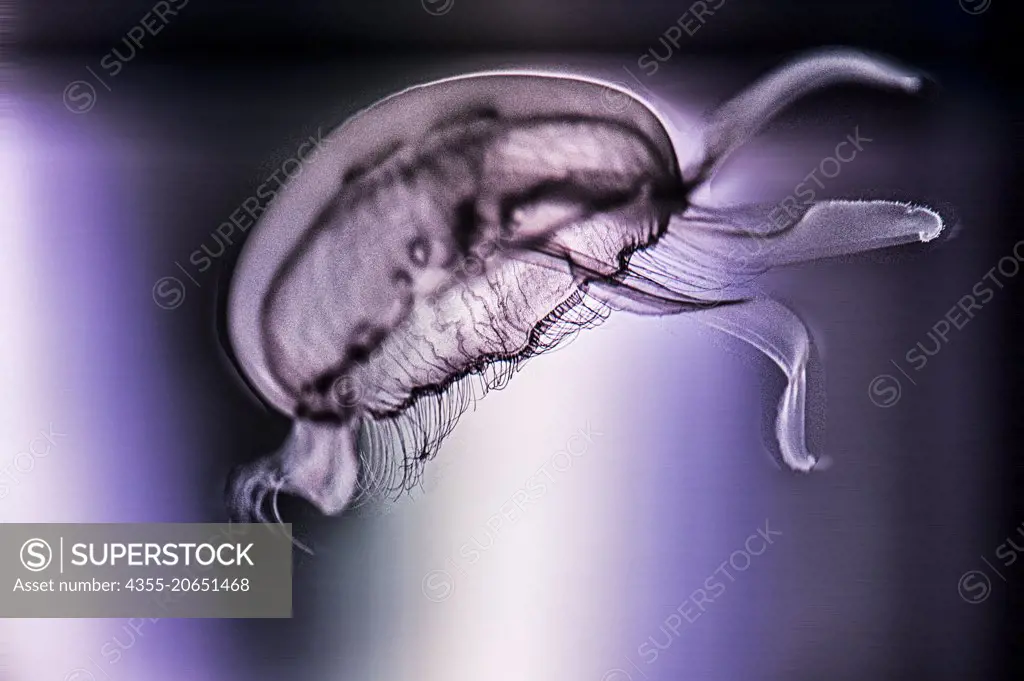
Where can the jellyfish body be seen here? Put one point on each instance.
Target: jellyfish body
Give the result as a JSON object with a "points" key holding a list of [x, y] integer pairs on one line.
{"points": [[456, 229]]}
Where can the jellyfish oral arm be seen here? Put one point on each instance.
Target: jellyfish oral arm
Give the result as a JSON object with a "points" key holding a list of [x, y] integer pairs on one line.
{"points": [[743, 116], [779, 334], [708, 256]]}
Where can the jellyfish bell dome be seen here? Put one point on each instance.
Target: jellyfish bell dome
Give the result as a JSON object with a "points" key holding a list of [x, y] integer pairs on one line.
{"points": [[398, 120]]}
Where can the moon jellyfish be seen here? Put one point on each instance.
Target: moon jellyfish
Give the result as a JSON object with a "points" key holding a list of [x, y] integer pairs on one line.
{"points": [[452, 231]]}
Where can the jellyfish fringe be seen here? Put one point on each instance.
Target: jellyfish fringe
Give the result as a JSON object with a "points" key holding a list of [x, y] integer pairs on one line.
{"points": [[395, 447]]}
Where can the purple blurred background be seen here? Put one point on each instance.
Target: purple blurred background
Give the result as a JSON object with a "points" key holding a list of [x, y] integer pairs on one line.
{"points": [[611, 574]]}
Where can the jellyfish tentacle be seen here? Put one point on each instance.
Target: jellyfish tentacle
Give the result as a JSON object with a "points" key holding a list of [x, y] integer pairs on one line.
{"points": [[742, 117], [780, 335]]}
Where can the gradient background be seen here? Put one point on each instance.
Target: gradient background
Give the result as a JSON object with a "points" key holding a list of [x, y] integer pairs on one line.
{"points": [[863, 581]]}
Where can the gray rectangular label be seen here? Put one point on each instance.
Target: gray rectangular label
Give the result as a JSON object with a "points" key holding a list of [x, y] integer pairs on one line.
{"points": [[146, 570]]}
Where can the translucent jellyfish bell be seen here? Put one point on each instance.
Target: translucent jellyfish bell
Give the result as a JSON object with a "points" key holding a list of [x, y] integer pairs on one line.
{"points": [[452, 231]]}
